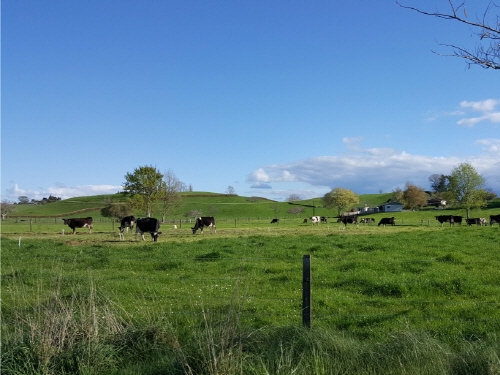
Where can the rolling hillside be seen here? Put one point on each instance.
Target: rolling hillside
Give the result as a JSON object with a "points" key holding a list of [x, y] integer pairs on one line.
{"points": [[221, 205]]}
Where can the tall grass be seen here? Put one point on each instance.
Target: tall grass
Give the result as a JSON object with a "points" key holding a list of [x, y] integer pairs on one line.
{"points": [[82, 333]]}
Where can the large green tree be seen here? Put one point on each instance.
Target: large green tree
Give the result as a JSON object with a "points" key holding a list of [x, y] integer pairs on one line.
{"points": [[467, 186], [144, 184], [341, 199]]}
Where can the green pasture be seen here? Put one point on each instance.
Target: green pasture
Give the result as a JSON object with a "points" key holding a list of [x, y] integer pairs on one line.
{"points": [[416, 298]]}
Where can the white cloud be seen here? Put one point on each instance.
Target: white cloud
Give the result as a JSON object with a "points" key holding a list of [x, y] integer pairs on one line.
{"points": [[486, 107], [60, 190], [371, 170]]}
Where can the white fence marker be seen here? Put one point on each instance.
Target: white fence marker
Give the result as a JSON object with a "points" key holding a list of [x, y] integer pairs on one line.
{"points": [[19, 241]]}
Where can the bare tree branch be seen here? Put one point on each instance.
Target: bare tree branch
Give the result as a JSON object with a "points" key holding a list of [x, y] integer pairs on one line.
{"points": [[487, 29]]}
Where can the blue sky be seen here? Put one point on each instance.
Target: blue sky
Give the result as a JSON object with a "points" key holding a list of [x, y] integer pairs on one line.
{"points": [[272, 98]]}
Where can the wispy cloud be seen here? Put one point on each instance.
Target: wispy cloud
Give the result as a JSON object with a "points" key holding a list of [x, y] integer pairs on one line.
{"points": [[60, 190], [374, 169], [485, 107]]}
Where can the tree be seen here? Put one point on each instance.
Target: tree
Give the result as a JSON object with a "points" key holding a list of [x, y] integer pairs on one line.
{"points": [[6, 208], [168, 194], [438, 182], [296, 210], [485, 27], [117, 210], [144, 185], [293, 197], [413, 196], [466, 185], [230, 190], [341, 199], [23, 199]]}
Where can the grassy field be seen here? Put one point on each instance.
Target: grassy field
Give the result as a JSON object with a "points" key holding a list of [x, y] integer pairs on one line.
{"points": [[409, 299]]}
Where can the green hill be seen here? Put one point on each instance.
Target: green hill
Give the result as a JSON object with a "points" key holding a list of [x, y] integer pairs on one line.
{"points": [[226, 206]]}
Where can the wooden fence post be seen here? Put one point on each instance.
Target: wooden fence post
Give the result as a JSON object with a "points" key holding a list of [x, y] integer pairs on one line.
{"points": [[306, 291], [31, 229]]}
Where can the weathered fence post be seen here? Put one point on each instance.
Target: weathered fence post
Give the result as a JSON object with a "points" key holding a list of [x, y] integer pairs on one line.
{"points": [[306, 291]]}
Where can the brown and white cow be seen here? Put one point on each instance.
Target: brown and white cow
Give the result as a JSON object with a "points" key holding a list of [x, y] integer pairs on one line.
{"points": [[79, 223]]}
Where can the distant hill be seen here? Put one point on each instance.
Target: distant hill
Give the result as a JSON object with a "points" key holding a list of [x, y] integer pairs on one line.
{"points": [[224, 205]]}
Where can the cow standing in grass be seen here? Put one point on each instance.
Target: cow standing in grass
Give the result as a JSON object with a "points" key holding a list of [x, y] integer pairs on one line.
{"points": [[150, 225], [201, 222], [79, 223]]}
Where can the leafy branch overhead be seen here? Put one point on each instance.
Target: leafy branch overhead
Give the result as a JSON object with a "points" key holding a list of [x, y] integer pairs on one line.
{"points": [[486, 29]]}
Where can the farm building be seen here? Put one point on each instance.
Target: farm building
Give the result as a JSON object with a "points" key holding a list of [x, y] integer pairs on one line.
{"points": [[391, 207]]}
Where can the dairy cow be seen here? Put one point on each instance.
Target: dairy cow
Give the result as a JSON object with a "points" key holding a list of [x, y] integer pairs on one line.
{"points": [[79, 223], [273, 221], [457, 220], [202, 222], [494, 219], [148, 225], [446, 219], [348, 220], [367, 220], [387, 221], [315, 219], [127, 222]]}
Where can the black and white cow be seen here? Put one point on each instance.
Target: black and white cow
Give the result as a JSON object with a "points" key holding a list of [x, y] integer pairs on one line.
{"points": [[315, 219], [445, 219], [348, 220], [367, 220], [79, 223], [457, 220], [202, 222], [147, 225], [494, 219], [275, 221], [475, 220], [127, 222], [324, 219], [387, 221]]}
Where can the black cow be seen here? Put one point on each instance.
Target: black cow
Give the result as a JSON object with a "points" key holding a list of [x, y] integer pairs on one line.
{"points": [[305, 221], [348, 220], [494, 219], [457, 219], [323, 219], [445, 219], [275, 221], [149, 225], [79, 223], [473, 220], [202, 222], [387, 221]]}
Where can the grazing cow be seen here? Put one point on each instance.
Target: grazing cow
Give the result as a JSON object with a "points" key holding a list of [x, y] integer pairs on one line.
{"points": [[201, 222], [473, 220], [445, 218], [323, 219], [457, 219], [127, 222], [275, 221], [494, 219], [79, 223], [348, 220], [315, 219], [305, 221], [367, 220], [483, 221], [148, 224], [387, 221]]}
